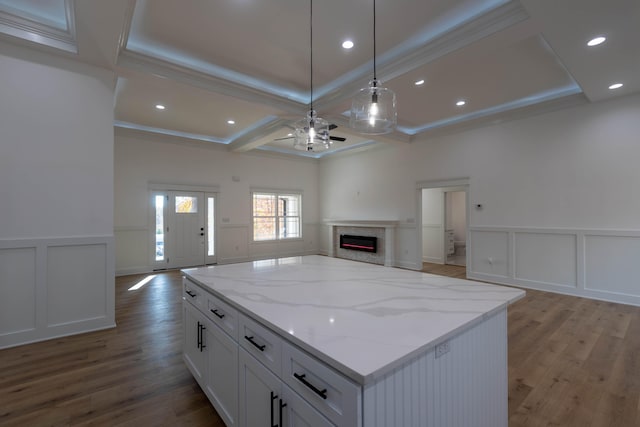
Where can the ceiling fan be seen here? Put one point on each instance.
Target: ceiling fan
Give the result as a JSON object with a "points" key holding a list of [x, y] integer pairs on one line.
{"points": [[321, 137]]}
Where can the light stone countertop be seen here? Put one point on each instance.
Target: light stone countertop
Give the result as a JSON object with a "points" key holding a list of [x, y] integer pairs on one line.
{"points": [[362, 319]]}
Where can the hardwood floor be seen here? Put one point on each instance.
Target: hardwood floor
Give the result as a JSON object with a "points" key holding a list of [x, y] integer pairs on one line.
{"points": [[572, 362], [132, 375]]}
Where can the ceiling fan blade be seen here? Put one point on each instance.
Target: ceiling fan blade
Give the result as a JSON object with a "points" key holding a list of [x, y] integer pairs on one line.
{"points": [[332, 126], [282, 139], [337, 138]]}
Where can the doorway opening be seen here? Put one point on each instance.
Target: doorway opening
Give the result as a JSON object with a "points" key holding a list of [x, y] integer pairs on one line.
{"points": [[444, 222]]}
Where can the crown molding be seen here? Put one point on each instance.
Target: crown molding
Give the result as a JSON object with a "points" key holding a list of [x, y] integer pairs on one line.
{"points": [[36, 32], [148, 64], [405, 59]]}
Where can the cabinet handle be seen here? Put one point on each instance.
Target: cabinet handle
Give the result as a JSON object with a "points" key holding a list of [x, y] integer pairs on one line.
{"points": [[301, 378], [273, 397], [202, 344], [258, 346], [282, 405], [199, 336], [191, 294], [220, 316]]}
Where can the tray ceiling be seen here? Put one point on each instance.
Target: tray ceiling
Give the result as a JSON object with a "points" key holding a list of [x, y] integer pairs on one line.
{"points": [[248, 62]]}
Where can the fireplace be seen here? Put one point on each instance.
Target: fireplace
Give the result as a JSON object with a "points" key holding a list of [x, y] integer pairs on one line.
{"points": [[381, 231], [359, 243]]}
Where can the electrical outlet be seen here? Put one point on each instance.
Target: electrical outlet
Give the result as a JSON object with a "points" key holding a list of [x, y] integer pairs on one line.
{"points": [[442, 349]]}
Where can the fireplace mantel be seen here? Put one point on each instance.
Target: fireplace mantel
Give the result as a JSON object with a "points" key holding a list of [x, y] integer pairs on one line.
{"points": [[362, 223], [389, 227]]}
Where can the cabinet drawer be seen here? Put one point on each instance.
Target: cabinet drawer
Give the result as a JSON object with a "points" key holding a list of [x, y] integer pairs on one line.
{"points": [[263, 344], [223, 315], [335, 396], [193, 293]]}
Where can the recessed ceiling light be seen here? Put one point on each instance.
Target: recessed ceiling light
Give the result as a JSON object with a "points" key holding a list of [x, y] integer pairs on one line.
{"points": [[231, 122], [419, 82], [616, 86], [347, 44], [461, 103], [160, 107], [289, 134], [596, 41]]}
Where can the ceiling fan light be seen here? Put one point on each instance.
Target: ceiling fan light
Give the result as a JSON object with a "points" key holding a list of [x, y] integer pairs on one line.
{"points": [[373, 110], [311, 133]]}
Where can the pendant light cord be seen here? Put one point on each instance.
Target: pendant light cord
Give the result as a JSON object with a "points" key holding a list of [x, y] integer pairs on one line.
{"points": [[311, 49], [374, 42]]}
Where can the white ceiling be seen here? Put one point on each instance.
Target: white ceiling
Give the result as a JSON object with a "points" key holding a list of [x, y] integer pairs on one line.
{"points": [[210, 61]]}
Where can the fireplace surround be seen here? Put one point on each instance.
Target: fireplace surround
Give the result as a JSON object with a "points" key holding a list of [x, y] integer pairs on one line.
{"points": [[382, 231]]}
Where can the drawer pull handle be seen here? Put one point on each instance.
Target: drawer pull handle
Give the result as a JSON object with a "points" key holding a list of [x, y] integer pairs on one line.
{"points": [[191, 294], [202, 344], [282, 405], [220, 316], [273, 397], [258, 346], [301, 378]]}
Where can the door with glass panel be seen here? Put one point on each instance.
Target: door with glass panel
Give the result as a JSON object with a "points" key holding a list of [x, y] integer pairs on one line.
{"points": [[184, 229]]}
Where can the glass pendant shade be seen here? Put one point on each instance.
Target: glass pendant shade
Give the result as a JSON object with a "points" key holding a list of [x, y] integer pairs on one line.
{"points": [[311, 133], [373, 110]]}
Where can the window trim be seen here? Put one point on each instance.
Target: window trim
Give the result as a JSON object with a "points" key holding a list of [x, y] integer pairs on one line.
{"points": [[276, 193]]}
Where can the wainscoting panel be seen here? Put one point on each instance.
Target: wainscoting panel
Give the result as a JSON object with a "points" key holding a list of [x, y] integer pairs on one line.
{"points": [[611, 264], [590, 263], [547, 258], [53, 287], [17, 290], [490, 253], [76, 284]]}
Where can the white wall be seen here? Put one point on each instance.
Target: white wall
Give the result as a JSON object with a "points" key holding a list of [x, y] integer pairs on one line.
{"points": [[558, 193], [141, 159], [456, 210], [56, 192]]}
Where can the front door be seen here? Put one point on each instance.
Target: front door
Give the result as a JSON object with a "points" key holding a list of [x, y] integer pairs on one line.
{"points": [[185, 227], [185, 239]]}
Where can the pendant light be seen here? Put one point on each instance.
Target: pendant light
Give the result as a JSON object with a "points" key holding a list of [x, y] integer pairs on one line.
{"points": [[312, 132], [373, 109]]}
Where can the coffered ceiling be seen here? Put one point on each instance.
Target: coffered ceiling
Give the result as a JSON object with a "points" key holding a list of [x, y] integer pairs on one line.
{"points": [[237, 72]]}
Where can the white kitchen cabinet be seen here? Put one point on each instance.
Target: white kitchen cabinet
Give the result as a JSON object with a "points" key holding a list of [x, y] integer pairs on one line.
{"points": [[449, 240], [266, 401], [212, 357], [298, 412], [194, 354], [260, 390], [222, 374]]}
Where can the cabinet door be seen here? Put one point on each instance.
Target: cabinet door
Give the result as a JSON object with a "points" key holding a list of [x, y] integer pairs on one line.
{"points": [[259, 393], [222, 373], [193, 352], [299, 413]]}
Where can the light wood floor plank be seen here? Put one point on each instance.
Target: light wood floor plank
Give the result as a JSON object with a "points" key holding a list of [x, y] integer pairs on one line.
{"points": [[572, 362]]}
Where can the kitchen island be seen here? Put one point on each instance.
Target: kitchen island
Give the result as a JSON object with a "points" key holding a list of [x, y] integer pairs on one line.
{"points": [[339, 342]]}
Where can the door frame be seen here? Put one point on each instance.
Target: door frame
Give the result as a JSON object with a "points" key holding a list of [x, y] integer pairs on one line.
{"points": [[462, 184], [155, 188]]}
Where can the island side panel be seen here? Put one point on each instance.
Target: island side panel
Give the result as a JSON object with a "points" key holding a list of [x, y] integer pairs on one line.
{"points": [[468, 386]]}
